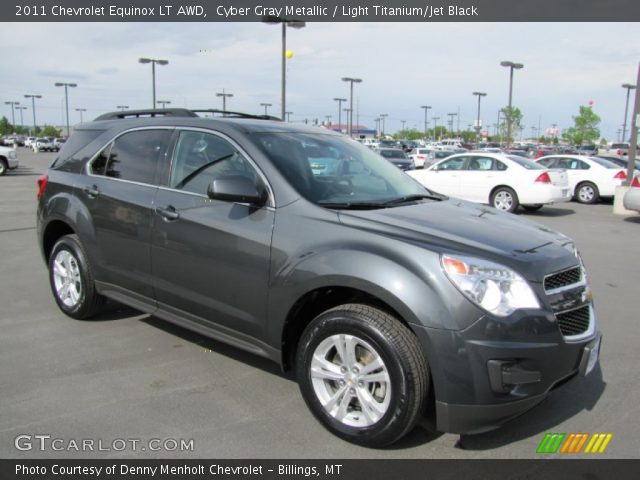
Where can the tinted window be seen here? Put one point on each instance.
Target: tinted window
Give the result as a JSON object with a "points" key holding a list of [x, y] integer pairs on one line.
{"points": [[548, 162], [453, 164], [134, 156], [202, 157], [99, 165], [393, 154]]}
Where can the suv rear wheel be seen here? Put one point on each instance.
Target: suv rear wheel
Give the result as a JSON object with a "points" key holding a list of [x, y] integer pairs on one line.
{"points": [[71, 279], [362, 374]]}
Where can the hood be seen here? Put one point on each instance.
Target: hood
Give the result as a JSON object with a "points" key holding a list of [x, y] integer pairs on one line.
{"points": [[454, 225]]}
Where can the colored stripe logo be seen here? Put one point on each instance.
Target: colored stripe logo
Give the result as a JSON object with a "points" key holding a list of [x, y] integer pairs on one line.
{"points": [[573, 443]]}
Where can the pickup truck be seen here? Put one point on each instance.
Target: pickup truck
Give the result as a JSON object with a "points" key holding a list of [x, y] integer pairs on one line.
{"points": [[8, 160]]}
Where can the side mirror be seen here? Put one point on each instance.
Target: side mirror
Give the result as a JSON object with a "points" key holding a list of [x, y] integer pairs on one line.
{"points": [[236, 188]]}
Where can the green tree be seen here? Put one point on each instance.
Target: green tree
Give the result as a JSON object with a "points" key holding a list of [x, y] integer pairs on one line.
{"points": [[5, 127], [409, 134], [50, 131], [515, 115], [585, 129]]}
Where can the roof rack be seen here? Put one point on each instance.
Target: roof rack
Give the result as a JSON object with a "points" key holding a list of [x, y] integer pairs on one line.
{"points": [[227, 113], [159, 112]]}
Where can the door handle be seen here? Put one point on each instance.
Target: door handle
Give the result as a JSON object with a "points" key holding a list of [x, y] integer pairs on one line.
{"points": [[168, 213], [91, 191]]}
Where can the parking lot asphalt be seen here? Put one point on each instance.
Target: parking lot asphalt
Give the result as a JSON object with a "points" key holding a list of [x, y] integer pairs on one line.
{"points": [[131, 376]]}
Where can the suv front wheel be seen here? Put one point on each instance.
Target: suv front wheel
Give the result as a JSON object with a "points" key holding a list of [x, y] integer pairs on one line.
{"points": [[363, 374], [71, 279]]}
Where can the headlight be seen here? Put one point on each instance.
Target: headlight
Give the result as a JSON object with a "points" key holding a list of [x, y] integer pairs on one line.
{"points": [[493, 287]]}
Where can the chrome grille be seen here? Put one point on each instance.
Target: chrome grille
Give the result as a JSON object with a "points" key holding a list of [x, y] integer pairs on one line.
{"points": [[574, 322], [562, 279]]}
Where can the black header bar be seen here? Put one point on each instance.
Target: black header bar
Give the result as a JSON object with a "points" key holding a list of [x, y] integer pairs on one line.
{"points": [[320, 10]]}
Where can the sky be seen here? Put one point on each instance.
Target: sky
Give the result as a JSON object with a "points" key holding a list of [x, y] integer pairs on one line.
{"points": [[403, 66]]}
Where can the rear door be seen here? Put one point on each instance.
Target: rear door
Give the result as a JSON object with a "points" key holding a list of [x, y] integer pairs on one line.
{"points": [[210, 257], [118, 191]]}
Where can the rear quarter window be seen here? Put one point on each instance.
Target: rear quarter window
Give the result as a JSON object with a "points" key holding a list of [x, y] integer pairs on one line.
{"points": [[76, 142]]}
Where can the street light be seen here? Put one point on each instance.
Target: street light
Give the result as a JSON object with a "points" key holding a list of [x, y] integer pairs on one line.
{"points": [[153, 62], [33, 108], [629, 87], [328, 117], [265, 105], [351, 81], [224, 99], [451, 115], [435, 126], [164, 103], [66, 99], [426, 120], [403, 122], [122, 108], [382, 119], [340, 100], [80, 110], [21, 119], [512, 66], [478, 126], [288, 114], [13, 115], [286, 22]]}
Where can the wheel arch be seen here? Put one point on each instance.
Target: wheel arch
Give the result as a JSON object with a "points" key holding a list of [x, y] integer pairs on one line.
{"points": [[54, 231]]}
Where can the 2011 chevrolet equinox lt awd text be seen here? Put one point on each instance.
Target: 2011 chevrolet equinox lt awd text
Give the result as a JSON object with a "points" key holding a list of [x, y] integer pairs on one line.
{"points": [[390, 302]]}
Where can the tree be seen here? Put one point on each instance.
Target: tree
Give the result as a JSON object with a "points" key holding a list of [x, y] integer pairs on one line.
{"points": [[585, 129], [5, 127], [409, 134], [50, 131], [515, 115]]}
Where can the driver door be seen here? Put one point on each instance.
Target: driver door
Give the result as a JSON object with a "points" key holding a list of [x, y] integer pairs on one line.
{"points": [[210, 258]]}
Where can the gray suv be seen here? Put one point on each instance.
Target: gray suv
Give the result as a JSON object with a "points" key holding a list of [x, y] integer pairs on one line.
{"points": [[390, 302]]}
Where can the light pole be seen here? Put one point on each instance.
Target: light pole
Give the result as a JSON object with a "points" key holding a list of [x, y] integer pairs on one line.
{"points": [[451, 115], [435, 126], [21, 119], [512, 66], [426, 120], [13, 115], [383, 116], [224, 100], [628, 87], [328, 117], [403, 122], [164, 103], [33, 108], [286, 22], [153, 62], [66, 99], [288, 114], [478, 126], [340, 100], [377, 120], [351, 81], [80, 110], [265, 105], [346, 112], [122, 108]]}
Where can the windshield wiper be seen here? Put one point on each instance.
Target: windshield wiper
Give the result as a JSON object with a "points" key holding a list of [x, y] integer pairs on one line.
{"points": [[353, 205], [413, 198]]}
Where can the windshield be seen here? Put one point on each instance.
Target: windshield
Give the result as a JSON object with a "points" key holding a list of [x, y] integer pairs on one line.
{"points": [[604, 163], [332, 170], [393, 154], [525, 162]]}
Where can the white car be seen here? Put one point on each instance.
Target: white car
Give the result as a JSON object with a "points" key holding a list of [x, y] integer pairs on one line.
{"points": [[420, 155], [589, 177], [8, 160], [503, 181], [29, 142], [43, 144], [631, 199]]}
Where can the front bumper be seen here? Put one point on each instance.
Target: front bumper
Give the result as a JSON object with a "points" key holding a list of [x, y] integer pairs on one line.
{"points": [[12, 163], [472, 370]]}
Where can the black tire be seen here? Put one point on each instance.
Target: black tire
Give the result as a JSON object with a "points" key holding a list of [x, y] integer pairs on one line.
{"points": [[402, 357], [532, 208], [587, 193], [504, 199], [89, 301], [3, 166]]}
